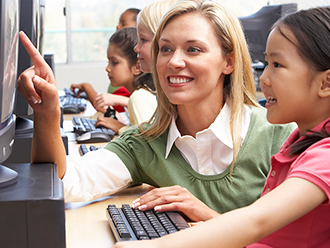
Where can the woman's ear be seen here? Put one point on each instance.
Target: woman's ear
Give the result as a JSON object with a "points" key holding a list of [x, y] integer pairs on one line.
{"points": [[230, 64], [324, 90], [136, 69]]}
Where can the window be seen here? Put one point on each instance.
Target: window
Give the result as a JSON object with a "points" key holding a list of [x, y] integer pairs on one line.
{"points": [[79, 30]]}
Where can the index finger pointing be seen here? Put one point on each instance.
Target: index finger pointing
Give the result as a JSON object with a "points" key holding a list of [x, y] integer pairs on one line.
{"points": [[34, 54]]}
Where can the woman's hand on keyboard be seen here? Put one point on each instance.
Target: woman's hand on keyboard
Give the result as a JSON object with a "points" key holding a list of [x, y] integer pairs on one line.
{"points": [[175, 198], [37, 83]]}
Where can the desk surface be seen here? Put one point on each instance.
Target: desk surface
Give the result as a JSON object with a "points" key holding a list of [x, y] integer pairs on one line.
{"points": [[87, 224]]}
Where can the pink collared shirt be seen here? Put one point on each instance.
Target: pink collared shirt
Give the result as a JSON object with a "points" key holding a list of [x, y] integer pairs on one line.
{"points": [[313, 229]]}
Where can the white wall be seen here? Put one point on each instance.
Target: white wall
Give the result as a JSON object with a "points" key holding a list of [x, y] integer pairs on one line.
{"points": [[94, 73]]}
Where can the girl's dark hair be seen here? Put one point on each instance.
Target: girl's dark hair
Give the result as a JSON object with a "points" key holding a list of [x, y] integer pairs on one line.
{"points": [[309, 139], [311, 29], [134, 11], [125, 40]]}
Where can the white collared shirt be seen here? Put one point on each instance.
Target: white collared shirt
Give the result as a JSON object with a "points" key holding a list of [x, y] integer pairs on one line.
{"points": [[102, 173], [211, 152]]}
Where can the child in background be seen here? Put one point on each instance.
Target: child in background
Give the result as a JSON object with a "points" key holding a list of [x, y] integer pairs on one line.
{"points": [[128, 18], [148, 20], [147, 23], [294, 209], [120, 94], [124, 71]]}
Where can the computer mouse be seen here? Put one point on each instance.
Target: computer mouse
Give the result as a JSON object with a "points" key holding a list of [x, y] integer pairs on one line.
{"points": [[93, 137], [70, 109]]}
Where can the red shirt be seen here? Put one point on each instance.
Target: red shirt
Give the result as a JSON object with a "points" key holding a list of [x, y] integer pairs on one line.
{"points": [[122, 91]]}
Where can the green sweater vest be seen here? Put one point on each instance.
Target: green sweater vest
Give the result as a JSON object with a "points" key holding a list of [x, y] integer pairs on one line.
{"points": [[145, 159]]}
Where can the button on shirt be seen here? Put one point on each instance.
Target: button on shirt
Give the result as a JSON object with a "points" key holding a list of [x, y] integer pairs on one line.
{"points": [[211, 152]]}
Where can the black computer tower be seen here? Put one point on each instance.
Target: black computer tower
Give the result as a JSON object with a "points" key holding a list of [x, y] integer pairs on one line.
{"points": [[32, 211]]}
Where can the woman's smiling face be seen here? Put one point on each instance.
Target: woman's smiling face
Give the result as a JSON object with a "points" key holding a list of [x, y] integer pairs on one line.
{"points": [[190, 64]]}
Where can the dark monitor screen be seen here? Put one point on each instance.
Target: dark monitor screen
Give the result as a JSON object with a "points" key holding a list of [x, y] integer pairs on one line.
{"points": [[257, 27], [8, 73], [31, 22]]}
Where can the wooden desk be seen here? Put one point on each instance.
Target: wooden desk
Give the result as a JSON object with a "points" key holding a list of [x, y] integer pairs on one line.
{"points": [[87, 224]]}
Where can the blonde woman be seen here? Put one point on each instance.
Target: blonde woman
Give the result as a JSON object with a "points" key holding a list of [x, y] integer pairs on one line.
{"points": [[208, 134]]}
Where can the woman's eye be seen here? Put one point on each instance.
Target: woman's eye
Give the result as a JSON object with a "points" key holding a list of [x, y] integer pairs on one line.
{"points": [[165, 49], [193, 50]]}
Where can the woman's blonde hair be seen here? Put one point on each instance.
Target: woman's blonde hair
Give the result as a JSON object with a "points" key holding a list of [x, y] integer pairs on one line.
{"points": [[239, 86], [151, 15]]}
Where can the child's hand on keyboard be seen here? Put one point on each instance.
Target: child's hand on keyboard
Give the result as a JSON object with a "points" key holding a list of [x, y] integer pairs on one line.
{"points": [[175, 198], [109, 122]]}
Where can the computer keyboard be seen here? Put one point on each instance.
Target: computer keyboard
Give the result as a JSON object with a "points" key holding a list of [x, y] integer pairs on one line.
{"points": [[68, 102], [83, 149], [88, 133], [130, 224], [75, 93]]}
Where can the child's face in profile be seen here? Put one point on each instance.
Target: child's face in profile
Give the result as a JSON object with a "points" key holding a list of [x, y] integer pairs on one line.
{"points": [[120, 72], [127, 19], [142, 48], [288, 82]]}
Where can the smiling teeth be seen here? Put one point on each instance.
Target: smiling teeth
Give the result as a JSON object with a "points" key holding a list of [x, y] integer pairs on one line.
{"points": [[179, 80], [271, 99]]}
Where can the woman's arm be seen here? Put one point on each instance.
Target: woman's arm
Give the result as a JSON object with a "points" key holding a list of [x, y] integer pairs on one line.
{"points": [[37, 84], [245, 226]]}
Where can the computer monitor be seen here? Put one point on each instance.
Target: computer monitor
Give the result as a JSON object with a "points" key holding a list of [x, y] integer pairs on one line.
{"points": [[257, 27], [31, 22], [8, 74]]}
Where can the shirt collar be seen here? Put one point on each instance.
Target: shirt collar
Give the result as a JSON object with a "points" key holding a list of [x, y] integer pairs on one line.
{"points": [[173, 134], [220, 128], [283, 154]]}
